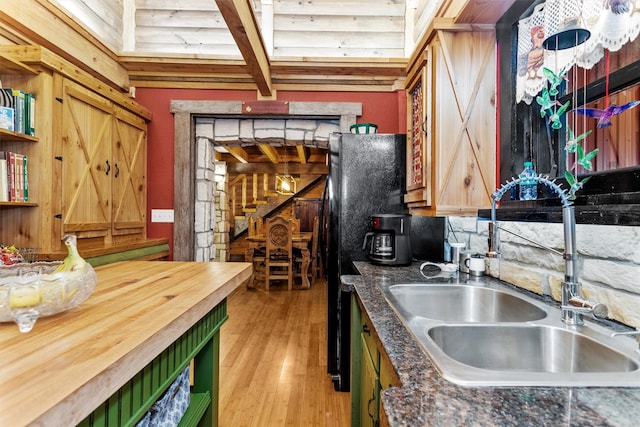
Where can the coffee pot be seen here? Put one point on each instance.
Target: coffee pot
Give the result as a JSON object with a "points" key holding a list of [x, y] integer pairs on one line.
{"points": [[389, 241]]}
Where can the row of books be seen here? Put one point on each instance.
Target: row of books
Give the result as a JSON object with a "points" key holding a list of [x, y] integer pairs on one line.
{"points": [[14, 182], [17, 111]]}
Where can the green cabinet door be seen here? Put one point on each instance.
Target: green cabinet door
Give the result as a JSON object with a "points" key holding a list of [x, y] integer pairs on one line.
{"points": [[369, 388]]}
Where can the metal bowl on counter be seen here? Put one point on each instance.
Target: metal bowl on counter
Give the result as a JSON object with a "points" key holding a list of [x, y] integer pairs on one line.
{"points": [[29, 291]]}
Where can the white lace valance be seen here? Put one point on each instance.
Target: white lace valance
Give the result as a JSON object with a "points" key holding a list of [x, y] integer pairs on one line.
{"points": [[612, 24]]}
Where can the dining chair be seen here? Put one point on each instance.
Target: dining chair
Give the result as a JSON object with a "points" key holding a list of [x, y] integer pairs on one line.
{"points": [[259, 225], [313, 272], [279, 251], [316, 265], [251, 226], [295, 224]]}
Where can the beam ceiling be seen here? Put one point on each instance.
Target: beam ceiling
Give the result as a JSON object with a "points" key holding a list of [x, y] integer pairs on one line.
{"points": [[239, 16]]}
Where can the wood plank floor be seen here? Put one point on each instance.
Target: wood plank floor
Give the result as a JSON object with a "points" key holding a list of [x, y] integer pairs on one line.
{"points": [[274, 363]]}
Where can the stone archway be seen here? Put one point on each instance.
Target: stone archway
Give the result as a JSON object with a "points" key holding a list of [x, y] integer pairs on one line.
{"points": [[185, 148]]}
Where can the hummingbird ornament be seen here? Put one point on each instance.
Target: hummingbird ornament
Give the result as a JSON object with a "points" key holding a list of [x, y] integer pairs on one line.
{"points": [[604, 116]]}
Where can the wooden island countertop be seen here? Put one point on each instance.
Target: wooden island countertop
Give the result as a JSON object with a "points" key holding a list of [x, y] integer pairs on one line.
{"points": [[70, 363]]}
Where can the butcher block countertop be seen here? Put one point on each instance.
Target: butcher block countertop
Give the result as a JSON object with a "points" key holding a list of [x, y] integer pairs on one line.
{"points": [[70, 363]]}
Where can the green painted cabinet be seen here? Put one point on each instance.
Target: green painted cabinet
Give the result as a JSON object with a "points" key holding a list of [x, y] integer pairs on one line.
{"points": [[200, 345], [371, 371], [369, 387]]}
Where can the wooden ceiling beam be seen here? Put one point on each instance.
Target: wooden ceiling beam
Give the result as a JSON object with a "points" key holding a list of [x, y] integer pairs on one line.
{"points": [[302, 153], [239, 16], [238, 152], [269, 168], [270, 152]]}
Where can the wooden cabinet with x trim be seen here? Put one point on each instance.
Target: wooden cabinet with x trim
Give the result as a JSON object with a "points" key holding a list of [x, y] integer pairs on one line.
{"points": [[88, 168]]}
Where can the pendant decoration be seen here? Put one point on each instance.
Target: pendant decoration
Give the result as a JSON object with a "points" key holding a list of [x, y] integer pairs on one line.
{"points": [[604, 116]]}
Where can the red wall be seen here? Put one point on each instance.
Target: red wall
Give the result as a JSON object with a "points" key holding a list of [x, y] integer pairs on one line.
{"points": [[387, 110]]}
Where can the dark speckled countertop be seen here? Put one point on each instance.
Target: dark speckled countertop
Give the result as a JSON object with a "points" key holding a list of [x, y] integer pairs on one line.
{"points": [[427, 399]]}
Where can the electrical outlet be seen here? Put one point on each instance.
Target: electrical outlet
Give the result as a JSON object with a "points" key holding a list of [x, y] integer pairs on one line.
{"points": [[161, 215]]}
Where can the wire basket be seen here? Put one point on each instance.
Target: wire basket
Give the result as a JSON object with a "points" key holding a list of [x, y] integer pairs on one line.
{"points": [[364, 128]]}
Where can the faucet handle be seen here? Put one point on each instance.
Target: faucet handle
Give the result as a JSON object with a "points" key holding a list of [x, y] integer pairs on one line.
{"points": [[584, 306], [636, 333]]}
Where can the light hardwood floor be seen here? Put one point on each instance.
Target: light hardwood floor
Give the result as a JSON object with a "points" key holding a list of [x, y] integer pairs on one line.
{"points": [[273, 360]]}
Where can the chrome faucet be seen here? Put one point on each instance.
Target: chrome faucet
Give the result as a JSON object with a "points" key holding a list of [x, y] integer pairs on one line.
{"points": [[573, 305]]}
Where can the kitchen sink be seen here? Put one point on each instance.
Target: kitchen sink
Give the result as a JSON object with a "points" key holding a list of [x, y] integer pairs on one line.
{"points": [[462, 303], [484, 333], [528, 348], [530, 355]]}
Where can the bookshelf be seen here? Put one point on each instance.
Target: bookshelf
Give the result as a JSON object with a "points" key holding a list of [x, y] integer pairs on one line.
{"points": [[86, 163], [8, 135], [9, 65], [18, 142]]}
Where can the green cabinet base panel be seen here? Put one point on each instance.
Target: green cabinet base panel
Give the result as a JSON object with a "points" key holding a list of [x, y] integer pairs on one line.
{"points": [[200, 343], [199, 404], [129, 255]]}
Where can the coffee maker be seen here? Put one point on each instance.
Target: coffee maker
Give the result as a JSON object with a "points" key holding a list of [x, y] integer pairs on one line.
{"points": [[389, 241]]}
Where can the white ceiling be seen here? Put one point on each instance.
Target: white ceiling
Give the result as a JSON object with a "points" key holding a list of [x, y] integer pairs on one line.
{"points": [[268, 45], [289, 28]]}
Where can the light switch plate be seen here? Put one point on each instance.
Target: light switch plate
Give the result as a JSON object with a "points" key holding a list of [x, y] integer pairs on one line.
{"points": [[161, 215]]}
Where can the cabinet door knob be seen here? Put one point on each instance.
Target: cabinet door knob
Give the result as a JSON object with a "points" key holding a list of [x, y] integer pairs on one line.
{"points": [[108, 167], [365, 329], [117, 170]]}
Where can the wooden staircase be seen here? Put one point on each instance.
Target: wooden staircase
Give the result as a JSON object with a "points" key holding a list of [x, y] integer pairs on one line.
{"points": [[253, 196]]}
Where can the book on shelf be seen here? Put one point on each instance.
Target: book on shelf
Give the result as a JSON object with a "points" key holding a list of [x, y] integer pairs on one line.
{"points": [[14, 181], [13, 192], [6, 97], [17, 111], [30, 116], [19, 177], [25, 179], [6, 118], [4, 183]]}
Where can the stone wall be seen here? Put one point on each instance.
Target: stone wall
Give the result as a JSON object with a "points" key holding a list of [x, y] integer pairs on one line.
{"points": [[608, 263], [208, 187]]}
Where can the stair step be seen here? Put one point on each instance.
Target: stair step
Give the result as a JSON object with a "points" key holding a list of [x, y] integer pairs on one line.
{"points": [[249, 210]]}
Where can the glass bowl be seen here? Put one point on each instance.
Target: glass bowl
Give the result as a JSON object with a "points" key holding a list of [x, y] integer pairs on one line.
{"points": [[29, 291]]}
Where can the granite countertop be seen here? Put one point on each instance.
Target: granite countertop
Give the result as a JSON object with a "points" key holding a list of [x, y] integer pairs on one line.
{"points": [[426, 398]]}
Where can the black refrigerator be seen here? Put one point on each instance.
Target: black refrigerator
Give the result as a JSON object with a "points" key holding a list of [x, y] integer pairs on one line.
{"points": [[366, 177]]}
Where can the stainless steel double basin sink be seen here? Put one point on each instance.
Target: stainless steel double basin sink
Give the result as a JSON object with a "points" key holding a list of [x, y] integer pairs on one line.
{"points": [[484, 333]]}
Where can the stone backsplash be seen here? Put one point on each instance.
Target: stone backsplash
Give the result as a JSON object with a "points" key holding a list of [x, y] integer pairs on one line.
{"points": [[608, 260]]}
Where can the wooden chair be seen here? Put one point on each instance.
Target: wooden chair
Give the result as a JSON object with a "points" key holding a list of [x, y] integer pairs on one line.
{"points": [[279, 251], [316, 265], [295, 224], [251, 227]]}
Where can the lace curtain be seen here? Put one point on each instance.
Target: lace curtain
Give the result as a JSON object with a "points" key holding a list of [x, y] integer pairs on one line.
{"points": [[612, 24]]}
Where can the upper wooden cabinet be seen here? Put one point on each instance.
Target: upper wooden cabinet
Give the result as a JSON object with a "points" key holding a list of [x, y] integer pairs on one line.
{"points": [[87, 168], [103, 167], [451, 128]]}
